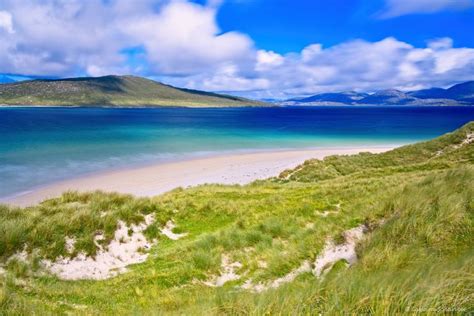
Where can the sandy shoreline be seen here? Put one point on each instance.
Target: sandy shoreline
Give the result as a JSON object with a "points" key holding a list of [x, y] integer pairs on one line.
{"points": [[159, 178]]}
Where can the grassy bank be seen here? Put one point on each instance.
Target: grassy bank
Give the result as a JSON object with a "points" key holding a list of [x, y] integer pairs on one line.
{"points": [[417, 202]]}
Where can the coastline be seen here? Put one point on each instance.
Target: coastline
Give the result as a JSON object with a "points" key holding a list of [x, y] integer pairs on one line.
{"points": [[155, 179], [268, 105], [141, 106]]}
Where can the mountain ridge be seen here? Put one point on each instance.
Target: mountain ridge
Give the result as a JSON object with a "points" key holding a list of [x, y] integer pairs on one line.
{"points": [[346, 96], [459, 94]]}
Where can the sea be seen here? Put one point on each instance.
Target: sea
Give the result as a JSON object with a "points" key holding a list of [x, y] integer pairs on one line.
{"points": [[41, 145]]}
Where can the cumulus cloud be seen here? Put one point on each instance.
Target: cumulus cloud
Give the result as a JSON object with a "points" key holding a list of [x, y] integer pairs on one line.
{"points": [[368, 66], [226, 78], [58, 37], [396, 8], [6, 22], [183, 38], [354, 65], [267, 60]]}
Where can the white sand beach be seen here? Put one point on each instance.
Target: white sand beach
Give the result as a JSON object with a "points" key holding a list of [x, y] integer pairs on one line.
{"points": [[159, 178]]}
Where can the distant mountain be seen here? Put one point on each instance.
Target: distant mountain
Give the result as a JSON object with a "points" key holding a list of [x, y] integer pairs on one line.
{"points": [[460, 94], [343, 97], [6, 79], [270, 100], [390, 96], [432, 93], [463, 92], [112, 91]]}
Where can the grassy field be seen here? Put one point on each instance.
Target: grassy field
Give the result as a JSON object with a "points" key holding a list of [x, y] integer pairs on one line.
{"points": [[417, 202], [117, 91]]}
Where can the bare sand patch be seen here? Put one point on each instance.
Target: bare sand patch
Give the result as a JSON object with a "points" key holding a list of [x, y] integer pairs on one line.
{"points": [[125, 249], [168, 231], [228, 273], [469, 139], [260, 287], [331, 254]]}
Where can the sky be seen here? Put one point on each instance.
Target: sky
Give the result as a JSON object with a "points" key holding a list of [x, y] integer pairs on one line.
{"points": [[256, 48]]}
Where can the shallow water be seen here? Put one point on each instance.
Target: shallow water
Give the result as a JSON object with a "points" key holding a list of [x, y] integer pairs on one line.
{"points": [[43, 145]]}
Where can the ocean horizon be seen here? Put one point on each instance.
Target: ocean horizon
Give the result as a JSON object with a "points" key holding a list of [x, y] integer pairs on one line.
{"points": [[42, 146]]}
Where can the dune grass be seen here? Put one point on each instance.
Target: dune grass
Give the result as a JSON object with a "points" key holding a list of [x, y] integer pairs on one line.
{"points": [[417, 256]]}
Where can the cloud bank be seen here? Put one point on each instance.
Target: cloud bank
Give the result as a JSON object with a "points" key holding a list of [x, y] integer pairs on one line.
{"points": [[367, 66], [180, 43]]}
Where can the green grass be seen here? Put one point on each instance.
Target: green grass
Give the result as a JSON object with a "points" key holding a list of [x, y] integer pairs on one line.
{"points": [[418, 202]]}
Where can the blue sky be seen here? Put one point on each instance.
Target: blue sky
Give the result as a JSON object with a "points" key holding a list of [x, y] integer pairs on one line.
{"points": [[287, 26], [255, 48]]}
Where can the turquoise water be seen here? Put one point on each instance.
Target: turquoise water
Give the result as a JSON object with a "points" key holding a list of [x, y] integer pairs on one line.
{"points": [[42, 145]]}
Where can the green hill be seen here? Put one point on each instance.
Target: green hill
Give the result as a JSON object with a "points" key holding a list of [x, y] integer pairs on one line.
{"points": [[111, 91], [416, 204]]}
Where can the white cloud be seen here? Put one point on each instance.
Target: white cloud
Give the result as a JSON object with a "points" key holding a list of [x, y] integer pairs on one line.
{"points": [[267, 60], [355, 64], [60, 38], [440, 43], [396, 8], [311, 51], [64, 38], [183, 38], [452, 59], [226, 78], [6, 22], [368, 66]]}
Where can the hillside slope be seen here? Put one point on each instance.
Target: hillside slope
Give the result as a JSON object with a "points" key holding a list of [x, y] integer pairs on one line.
{"points": [[462, 91], [253, 249], [111, 91]]}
